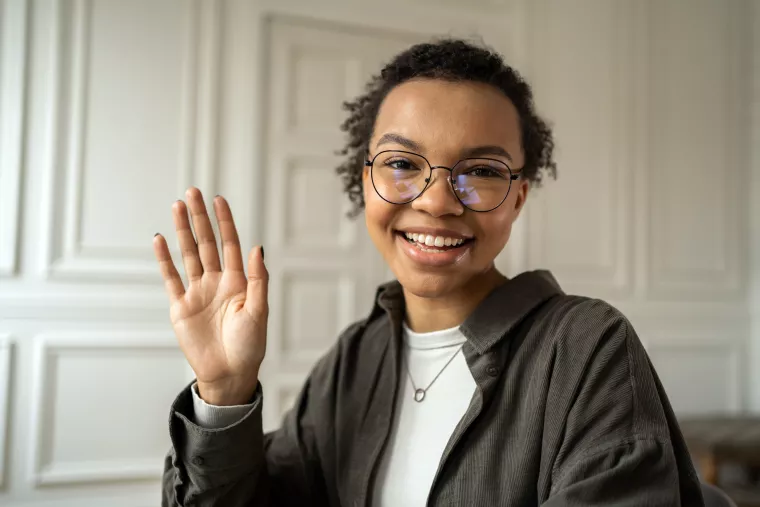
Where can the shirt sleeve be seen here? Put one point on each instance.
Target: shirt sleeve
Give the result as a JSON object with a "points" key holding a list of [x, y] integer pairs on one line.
{"points": [[620, 443], [233, 463], [215, 466], [215, 417], [639, 471]]}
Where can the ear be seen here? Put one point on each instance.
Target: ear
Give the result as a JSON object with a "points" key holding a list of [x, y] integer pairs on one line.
{"points": [[366, 182], [365, 178], [522, 195]]}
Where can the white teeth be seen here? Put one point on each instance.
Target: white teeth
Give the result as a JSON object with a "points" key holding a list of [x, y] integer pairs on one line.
{"points": [[437, 241]]}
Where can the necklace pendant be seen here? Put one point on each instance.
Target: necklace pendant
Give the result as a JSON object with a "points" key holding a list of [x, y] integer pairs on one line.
{"points": [[419, 395]]}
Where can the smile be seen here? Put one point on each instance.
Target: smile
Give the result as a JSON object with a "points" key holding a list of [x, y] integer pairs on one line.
{"points": [[429, 243], [431, 247]]}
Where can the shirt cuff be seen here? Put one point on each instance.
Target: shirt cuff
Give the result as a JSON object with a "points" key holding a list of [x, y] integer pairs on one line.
{"points": [[215, 417]]}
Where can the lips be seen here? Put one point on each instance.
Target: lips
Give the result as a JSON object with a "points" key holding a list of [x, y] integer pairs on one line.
{"points": [[433, 250]]}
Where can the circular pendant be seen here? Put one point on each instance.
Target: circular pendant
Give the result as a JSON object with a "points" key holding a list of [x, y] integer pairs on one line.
{"points": [[419, 395]]}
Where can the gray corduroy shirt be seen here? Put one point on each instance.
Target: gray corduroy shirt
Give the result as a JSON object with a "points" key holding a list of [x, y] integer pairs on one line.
{"points": [[568, 411]]}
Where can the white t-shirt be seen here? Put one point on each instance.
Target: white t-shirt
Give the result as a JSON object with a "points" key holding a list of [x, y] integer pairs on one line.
{"points": [[420, 430]]}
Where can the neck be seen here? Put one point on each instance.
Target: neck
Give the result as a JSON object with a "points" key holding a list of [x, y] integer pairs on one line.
{"points": [[424, 315]]}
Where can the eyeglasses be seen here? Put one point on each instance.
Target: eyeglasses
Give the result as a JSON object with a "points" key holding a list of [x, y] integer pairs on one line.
{"points": [[480, 184]]}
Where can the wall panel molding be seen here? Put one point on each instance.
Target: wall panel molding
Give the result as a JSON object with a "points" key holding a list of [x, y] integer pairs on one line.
{"points": [[48, 348], [480, 19], [146, 306], [696, 157], [592, 258], [324, 302], [66, 256], [678, 356], [468, 4], [6, 365], [125, 499], [284, 388], [754, 214], [13, 64], [308, 224]]}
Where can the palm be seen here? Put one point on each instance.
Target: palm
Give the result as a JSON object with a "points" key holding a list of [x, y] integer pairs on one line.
{"points": [[220, 319]]}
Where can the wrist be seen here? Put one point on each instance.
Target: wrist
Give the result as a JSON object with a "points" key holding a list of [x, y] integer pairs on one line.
{"points": [[227, 394]]}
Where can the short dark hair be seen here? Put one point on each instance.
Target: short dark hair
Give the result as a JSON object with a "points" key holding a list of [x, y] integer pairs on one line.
{"points": [[450, 60]]}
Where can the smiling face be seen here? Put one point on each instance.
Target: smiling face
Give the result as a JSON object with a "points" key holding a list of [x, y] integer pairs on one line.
{"points": [[444, 122]]}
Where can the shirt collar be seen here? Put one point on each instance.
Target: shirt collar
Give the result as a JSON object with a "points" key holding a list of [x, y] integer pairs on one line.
{"points": [[499, 313]]}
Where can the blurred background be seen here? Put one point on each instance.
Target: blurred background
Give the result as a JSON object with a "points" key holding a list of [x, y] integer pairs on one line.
{"points": [[110, 109]]}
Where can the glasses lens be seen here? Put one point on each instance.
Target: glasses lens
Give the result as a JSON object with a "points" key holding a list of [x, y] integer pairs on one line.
{"points": [[398, 176], [481, 184]]}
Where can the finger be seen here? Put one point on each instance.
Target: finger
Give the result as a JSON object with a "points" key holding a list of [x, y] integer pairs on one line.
{"points": [[187, 245], [204, 233], [256, 300], [172, 281], [233, 257]]}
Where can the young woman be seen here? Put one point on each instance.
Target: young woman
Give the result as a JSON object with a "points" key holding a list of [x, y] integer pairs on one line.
{"points": [[461, 387]]}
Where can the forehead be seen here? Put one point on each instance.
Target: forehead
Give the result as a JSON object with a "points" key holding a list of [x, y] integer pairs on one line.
{"points": [[444, 116]]}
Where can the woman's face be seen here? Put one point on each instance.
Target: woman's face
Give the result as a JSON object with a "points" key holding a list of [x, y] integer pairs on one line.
{"points": [[444, 122]]}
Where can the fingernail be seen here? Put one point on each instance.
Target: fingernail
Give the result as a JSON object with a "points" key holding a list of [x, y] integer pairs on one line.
{"points": [[262, 252], [156, 234]]}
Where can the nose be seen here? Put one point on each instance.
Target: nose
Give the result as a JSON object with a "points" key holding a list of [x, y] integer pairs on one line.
{"points": [[438, 198]]}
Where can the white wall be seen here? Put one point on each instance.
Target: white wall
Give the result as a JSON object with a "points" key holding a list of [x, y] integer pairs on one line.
{"points": [[110, 109], [754, 210], [650, 211]]}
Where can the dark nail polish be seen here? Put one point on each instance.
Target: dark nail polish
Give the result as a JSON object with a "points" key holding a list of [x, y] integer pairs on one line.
{"points": [[262, 252], [156, 234]]}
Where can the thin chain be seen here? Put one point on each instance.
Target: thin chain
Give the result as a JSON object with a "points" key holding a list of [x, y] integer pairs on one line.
{"points": [[414, 386]]}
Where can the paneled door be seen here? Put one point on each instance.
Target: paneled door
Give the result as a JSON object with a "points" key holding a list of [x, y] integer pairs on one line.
{"points": [[323, 267]]}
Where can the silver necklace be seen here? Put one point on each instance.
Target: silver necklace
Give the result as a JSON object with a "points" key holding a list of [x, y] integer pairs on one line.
{"points": [[419, 393]]}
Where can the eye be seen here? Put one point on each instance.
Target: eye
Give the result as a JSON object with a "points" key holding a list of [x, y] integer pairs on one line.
{"points": [[401, 164], [485, 172]]}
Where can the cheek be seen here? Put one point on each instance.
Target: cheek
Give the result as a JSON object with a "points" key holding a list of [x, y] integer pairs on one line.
{"points": [[496, 227], [378, 213]]}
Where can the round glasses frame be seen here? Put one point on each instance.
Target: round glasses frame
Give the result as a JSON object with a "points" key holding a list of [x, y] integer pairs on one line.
{"points": [[370, 162]]}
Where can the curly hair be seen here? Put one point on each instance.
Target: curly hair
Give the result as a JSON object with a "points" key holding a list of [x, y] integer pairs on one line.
{"points": [[451, 60]]}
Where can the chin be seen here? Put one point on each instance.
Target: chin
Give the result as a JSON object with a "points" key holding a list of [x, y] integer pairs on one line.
{"points": [[428, 285]]}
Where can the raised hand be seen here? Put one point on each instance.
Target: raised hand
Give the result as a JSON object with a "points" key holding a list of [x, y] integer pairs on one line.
{"points": [[220, 318]]}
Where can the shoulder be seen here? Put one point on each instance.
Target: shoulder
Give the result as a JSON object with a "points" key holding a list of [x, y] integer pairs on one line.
{"points": [[599, 367], [583, 334], [578, 311], [578, 317]]}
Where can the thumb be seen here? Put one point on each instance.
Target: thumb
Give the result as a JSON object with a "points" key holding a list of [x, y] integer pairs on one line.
{"points": [[256, 298]]}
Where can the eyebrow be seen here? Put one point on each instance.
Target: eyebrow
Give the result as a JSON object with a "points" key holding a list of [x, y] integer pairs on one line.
{"points": [[481, 151], [478, 151], [391, 138]]}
